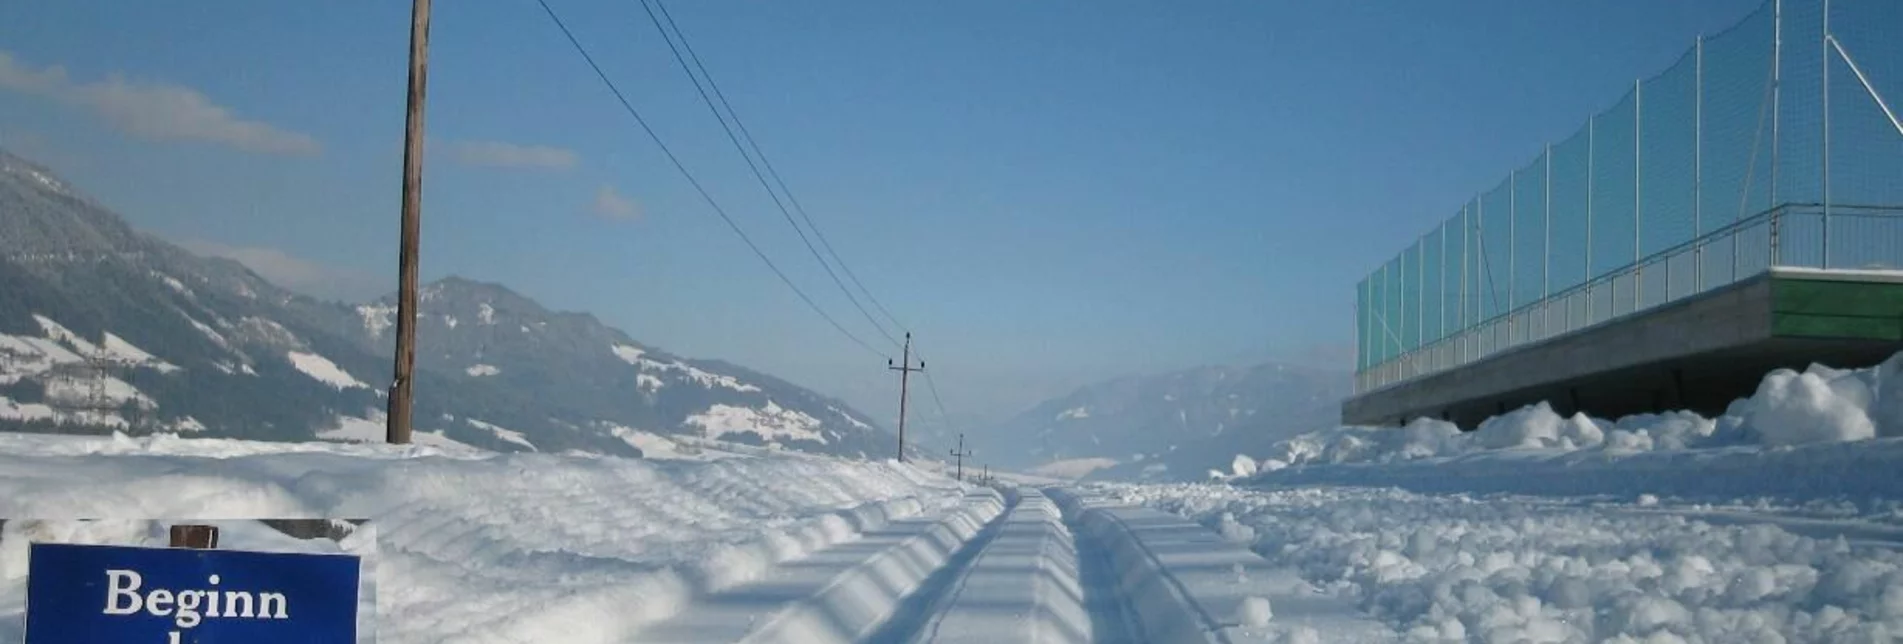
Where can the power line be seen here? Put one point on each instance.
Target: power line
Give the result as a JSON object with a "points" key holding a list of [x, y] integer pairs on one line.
{"points": [[936, 400], [770, 170], [742, 149], [695, 182]]}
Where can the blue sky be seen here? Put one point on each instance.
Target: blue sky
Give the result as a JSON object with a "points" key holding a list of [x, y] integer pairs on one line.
{"points": [[1048, 193]]}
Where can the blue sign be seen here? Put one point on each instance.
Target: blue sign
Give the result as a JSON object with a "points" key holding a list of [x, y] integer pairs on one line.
{"points": [[89, 594]]}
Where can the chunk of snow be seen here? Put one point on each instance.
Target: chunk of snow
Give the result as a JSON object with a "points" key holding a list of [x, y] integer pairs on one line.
{"points": [[485, 314], [1819, 405], [1254, 612], [1074, 413], [323, 370], [449, 321], [478, 370]]}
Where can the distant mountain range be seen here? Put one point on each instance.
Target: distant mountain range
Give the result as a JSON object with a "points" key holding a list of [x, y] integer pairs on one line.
{"points": [[1173, 426], [103, 327]]}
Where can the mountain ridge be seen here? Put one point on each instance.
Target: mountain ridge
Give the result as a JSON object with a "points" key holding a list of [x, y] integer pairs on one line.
{"points": [[246, 358]]}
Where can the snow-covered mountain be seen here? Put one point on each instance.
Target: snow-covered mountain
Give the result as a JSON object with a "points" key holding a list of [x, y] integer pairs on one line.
{"points": [[103, 327], [1172, 425]]}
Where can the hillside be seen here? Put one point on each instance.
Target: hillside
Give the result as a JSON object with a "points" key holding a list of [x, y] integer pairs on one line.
{"points": [[105, 328]]}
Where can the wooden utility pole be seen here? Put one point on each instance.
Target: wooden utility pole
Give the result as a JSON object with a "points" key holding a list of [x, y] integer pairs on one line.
{"points": [[398, 428], [960, 454], [905, 370], [197, 537]]}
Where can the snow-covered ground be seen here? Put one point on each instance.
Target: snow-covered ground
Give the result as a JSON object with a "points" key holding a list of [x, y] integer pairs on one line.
{"points": [[1781, 521], [487, 547]]}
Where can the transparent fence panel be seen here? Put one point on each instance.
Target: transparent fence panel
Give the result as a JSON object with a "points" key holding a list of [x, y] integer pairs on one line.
{"points": [[1496, 250], [1668, 160], [1866, 146], [1529, 233], [1571, 176], [1614, 185]]}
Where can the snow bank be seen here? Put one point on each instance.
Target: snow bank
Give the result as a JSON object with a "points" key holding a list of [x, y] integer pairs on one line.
{"points": [[1819, 405], [1451, 568], [488, 547]]}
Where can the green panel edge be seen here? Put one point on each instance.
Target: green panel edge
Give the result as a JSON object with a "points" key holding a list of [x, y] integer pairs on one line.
{"points": [[1831, 308]]}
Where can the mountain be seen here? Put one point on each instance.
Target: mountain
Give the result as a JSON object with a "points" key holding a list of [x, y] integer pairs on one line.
{"points": [[103, 327], [1175, 425]]}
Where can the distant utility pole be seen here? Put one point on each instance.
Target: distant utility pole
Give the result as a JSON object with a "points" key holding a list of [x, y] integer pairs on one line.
{"points": [[960, 454], [398, 428], [905, 370]]}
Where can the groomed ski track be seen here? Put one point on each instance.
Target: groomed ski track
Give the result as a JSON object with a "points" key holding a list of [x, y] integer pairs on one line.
{"points": [[1022, 565]]}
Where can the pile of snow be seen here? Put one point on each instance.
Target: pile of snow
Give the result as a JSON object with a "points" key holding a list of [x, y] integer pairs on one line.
{"points": [[1819, 405], [480, 370], [1450, 568], [490, 547]]}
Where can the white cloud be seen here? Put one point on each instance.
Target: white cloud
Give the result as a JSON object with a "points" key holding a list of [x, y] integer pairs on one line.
{"points": [[157, 111], [510, 155], [298, 274], [610, 204]]}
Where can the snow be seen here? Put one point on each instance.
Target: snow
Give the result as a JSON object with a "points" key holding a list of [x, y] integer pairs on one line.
{"points": [[116, 347], [499, 547], [216, 337], [628, 353], [74, 392], [850, 418], [58, 333], [647, 383], [376, 318], [1074, 468], [173, 283], [374, 430], [450, 321], [503, 433], [1515, 570], [638, 357], [772, 423], [479, 370], [323, 370], [1074, 413], [485, 314]]}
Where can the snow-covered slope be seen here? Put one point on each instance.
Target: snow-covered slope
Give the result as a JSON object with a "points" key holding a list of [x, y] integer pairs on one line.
{"points": [[104, 328]]}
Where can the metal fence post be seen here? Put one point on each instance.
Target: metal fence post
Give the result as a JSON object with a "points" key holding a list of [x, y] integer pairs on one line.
{"points": [[1513, 243], [1824, 55], [1591, 143], [1777, 117], [1638, 220], [1698, 164]]}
